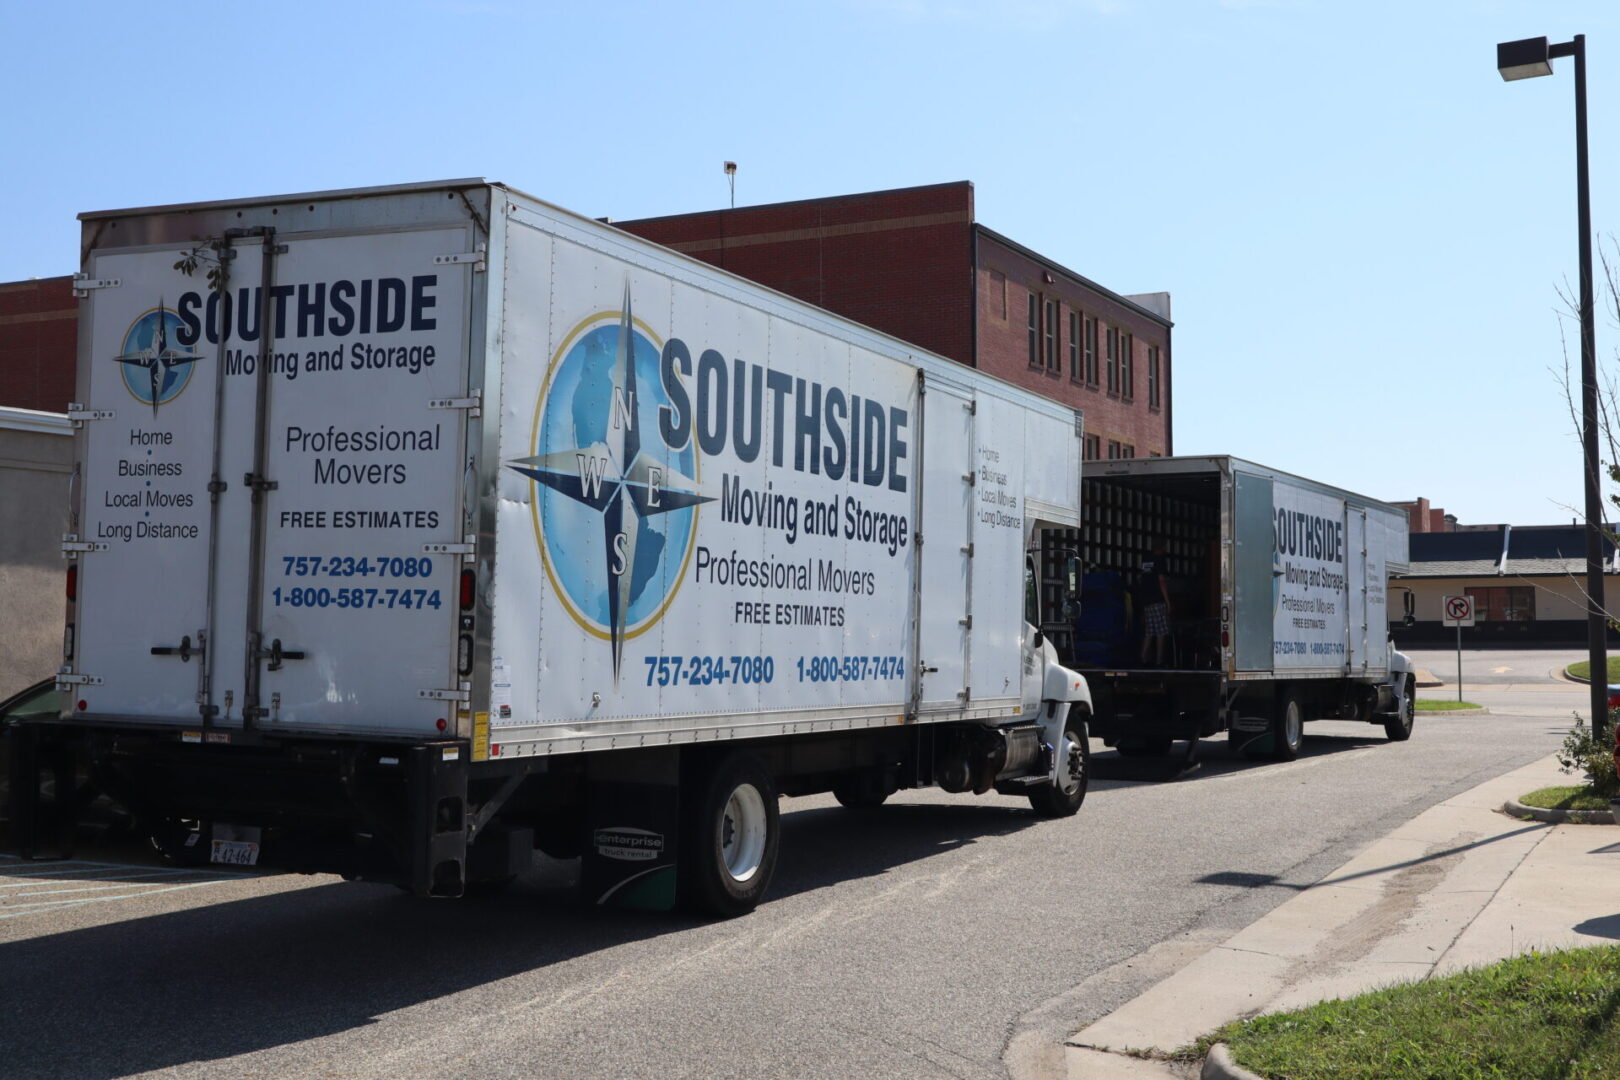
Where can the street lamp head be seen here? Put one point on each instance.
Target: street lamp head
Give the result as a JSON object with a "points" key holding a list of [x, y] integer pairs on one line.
{"points": [[1523, 59]]}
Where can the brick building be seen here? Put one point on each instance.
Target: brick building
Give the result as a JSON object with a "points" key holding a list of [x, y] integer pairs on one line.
{"points": [[38, 343], [914, 263]]}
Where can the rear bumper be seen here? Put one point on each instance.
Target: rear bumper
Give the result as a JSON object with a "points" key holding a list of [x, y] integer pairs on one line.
{"points": [[386, 810]]}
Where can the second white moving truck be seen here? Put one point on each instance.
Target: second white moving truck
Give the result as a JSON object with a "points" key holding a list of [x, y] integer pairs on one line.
{"points": [[1279, 606], [417, 527]]}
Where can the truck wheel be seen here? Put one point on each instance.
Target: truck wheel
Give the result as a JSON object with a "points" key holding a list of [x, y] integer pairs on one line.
{"points": [[858, 795], [730, 839], [1074, 774], [1288, 727], [1399, 726]]}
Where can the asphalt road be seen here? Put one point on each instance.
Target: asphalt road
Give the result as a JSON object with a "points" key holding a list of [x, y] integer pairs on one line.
{"points": [[938, 936]]}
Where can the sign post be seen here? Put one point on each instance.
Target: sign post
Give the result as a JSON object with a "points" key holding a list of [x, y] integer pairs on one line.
{"points": [[1459, 612]]}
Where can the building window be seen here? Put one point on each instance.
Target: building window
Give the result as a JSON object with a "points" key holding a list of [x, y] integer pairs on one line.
{"points": [[1154, 453], [1153, 376], [1074, 346], [1093, 446], [1034, 329], [1113, 450], [1127, 451], [1090, 357], [1513, 603], [1054, 363], [1112, 360], [1127, 366]]}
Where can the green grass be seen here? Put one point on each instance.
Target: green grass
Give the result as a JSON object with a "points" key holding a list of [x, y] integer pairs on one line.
{"points": [[1574, 797], [1583, 669], [1434, 705], [1536, 1015]]}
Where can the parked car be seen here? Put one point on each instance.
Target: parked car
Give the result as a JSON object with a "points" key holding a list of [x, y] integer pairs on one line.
{"points": [[41, 699]]}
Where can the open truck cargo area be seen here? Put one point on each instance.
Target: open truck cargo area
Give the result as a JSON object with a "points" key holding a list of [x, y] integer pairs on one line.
{"points": [[1278, 605], [415, 528]]}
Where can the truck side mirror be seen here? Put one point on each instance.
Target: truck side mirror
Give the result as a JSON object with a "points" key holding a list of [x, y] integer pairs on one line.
{"points": [[1409, 604]]}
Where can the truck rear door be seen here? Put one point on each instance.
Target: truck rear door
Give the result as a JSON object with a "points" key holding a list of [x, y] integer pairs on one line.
{"points": [[273, 487]]}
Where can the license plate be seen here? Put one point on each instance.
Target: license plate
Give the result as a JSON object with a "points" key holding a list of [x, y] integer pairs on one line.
{"points": [[235, 853]]}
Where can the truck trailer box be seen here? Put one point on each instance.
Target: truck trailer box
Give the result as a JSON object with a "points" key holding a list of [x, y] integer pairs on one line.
{"points": [[409, 517], [1278, 604]]}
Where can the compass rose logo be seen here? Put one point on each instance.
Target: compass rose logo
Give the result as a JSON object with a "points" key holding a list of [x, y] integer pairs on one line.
{"points": [[155, 371], [615, 507]]}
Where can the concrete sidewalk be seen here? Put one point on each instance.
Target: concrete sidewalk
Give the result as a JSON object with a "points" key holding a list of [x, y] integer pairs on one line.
{"points": [[1460, 885]]}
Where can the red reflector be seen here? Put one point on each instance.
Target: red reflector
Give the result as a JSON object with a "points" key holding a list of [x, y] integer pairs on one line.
{"points": [[467, 580], [1226, 639], [442, 724], [83, 706], [73, 583]]}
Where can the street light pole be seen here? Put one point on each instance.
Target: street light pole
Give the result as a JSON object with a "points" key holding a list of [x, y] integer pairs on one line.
{"points": [[1527, 59]]}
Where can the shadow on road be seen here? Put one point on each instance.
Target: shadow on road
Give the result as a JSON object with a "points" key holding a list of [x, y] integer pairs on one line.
{"points": [[219, 980], [1217, 758]]}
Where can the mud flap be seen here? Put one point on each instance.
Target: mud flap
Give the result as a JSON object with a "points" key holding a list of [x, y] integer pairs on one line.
{"points": [[438, 819], [632, 807]]}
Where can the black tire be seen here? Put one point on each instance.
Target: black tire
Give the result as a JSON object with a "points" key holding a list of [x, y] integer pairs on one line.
{"points": [[1145, 746], [851, 792], [1399, 726], [1288, 727], [1074, 773], [730, 835]]}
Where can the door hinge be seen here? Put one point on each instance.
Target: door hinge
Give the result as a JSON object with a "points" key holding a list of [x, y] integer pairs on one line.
{"points": [[464, 693], [474, 404], [258, 484], [465, 549], [968, 551], [970, 479], [77, 413], [68, 678], [72, 545], [474, 257], [966, 622], [83, 283], [972, 407]]}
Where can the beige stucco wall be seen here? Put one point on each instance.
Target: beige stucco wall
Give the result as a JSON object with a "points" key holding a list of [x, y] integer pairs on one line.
{"points": [[1556, 597], [36, 459]]}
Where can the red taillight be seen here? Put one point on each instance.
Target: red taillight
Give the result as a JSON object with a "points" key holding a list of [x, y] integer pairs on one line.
{"points": [[73, 583], [1614, 701], [467, 582]]}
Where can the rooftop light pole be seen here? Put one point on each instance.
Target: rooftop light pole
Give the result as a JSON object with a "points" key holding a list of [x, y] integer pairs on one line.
{"points": [[1524, 60]]}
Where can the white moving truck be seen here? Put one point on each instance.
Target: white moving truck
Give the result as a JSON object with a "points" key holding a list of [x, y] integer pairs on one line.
{"points": [[1279, 605], [417, 527]]}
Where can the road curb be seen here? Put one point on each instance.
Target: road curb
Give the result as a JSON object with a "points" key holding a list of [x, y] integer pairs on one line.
{"points": [[1450, 712], [1514, 808], [1218, 1065]]}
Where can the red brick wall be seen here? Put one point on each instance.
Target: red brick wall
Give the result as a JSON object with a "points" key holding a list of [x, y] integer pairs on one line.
{"points": [[898, 261], [38, 343], [1004, 348]]}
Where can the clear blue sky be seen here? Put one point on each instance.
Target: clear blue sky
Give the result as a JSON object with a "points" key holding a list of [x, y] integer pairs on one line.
{"points": [[1363, 228]]}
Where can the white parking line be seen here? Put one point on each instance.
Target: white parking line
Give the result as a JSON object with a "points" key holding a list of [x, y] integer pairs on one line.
{"points": [[70, 878]]}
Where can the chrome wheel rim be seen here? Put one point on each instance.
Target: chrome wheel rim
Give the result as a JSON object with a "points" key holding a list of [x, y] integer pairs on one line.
{"points": [[1293, 724], [1070, 776], [742, 833]]}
